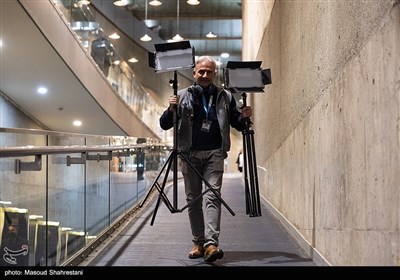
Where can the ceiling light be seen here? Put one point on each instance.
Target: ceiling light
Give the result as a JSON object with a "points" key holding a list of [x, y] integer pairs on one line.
{"points": [[77, 123], [224, 55], [42, 90], [177, 37], [145, 37], [155, 3], [84, 2], [114, 36], [133, 60], [211, 35], [121, 3], [193, 2]]}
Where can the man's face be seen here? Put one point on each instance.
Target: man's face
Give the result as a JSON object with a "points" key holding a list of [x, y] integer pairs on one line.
{"points": [[204, 73]]}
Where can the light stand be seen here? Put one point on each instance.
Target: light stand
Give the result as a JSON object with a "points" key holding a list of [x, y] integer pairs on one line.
{"points": [[241, 77], [253, 207], [169, 57]]}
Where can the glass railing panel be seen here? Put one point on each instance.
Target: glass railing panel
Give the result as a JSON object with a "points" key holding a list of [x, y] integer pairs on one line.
{"points": [[155, 158], [97, 191], [124, 179], [22, 195], [123, 187], [74, 196], [66, 198]]}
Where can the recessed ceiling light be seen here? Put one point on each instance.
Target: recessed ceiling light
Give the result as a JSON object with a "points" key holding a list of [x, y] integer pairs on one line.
{"points": [[120, 3], [77, 123], [42, 90], [193, 2], [155, 3], [114, 36]]}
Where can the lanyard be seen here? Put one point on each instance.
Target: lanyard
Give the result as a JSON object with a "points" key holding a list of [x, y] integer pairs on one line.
{"points": [[207, 110]]}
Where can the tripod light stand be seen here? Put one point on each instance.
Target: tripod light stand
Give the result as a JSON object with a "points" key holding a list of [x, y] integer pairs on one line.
{"points": [[241, 77], [252, 194], [171, 54]]}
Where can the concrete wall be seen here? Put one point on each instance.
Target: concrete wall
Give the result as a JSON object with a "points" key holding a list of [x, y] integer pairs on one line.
{"points": [[329, 124]]}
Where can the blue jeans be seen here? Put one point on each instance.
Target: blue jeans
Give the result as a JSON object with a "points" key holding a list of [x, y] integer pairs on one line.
{"points": [[210, 164]]}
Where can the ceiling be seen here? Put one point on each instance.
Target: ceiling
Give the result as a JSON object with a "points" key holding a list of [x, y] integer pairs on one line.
{"points": [[27, 60], [194, 22]]}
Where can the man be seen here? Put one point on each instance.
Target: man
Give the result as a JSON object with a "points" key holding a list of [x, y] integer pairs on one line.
{"points": [[204, 113]]}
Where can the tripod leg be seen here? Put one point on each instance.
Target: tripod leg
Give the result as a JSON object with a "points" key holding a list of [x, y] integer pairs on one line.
{"points": [[210, 188], [245, 170], [255, 178], [254, 195], [157, 205], [156, 180], [250, 154], [162, 195]]}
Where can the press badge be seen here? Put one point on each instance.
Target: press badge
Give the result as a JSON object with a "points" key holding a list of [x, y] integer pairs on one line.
{"points": [[206, 126]]}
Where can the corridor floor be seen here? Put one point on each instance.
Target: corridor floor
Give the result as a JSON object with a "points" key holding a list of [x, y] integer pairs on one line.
{"points": [[246, 241]]}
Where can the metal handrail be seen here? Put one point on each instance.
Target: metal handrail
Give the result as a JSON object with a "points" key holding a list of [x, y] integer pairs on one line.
{"points": [[48, 150]]}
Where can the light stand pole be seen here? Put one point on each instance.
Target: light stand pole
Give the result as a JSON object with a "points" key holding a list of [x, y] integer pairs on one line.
{"points": [[252, 194], [175, 145], [172, 160]]}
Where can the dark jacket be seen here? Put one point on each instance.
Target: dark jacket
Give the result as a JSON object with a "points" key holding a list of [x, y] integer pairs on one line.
{"points": [[227, 115]]}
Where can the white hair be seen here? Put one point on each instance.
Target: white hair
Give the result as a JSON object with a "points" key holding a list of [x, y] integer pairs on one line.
{"points": [[206, 58]]}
